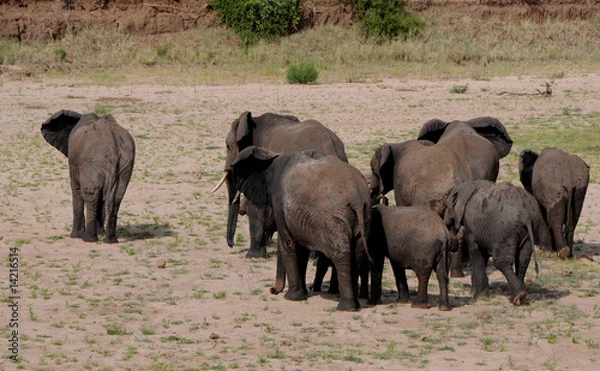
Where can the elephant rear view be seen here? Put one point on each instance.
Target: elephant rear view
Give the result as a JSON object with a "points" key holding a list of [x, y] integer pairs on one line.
{"points": [[319, 204], [559, 182], [499, 221], [101, 155]]}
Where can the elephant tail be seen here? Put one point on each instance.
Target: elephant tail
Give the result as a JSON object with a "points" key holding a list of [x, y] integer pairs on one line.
{"points": [[532, 240], [361, 232], [570, 217]]}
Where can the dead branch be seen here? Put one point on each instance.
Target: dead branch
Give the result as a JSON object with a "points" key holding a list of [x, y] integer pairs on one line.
{"points": [[170, 7], [546, 92]]}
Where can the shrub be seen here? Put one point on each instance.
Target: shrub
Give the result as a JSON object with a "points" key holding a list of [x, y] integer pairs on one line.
{"points": [[384, 19], [302, 74], [259, 19]]}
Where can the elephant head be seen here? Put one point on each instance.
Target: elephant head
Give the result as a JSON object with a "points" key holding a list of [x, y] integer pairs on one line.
{"points": [[382, 172], [527, 159], [58, 127], [488, 127], [456, 204]]}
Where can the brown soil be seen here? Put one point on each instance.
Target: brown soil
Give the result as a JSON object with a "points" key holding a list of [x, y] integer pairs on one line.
{"points": [[51, 19]]}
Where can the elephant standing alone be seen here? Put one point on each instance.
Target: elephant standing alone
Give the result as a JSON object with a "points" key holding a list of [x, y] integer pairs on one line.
{"points": [[559, 182], [101, 155]]}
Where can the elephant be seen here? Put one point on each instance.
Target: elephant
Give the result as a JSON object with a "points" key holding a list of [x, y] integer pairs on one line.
{"points": [[499, 220], [559, 182], [320, 203], [277, 133], [423, 171], [101, 155], [412, 237]]}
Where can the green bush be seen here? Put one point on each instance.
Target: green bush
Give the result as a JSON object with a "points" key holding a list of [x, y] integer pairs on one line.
{"points": [[259, 19], [384, 19], [305, 73]]}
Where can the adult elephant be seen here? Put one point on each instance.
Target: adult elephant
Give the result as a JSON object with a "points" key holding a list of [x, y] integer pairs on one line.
{"points": [[319, 204], [423, 171], [101, 155], [500, 221], [558, 181], [277, 133]]}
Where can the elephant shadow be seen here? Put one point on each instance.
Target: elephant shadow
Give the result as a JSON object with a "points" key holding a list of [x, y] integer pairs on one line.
{"points": [[142, 231]]}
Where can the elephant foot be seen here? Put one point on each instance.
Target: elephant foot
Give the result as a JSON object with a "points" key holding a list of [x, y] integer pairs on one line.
{"points": [[77, 234], [333, 291], [420, 305], [296, 295], [445, 308], [519, 299], [110, 240], [88, 238], [374, 301], [403, 300], [481, 294], [564, 253], [457, 273], [348, 306], [260, 253]]}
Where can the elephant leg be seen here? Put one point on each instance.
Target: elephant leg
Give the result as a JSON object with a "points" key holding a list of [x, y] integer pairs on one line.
{"points": [[523, 259], [91, 224], [78, 214], [257, 219], [421, 300], [113, 203], [289, 255], [456, 258], [280, 275], [577, 205], [442, 277], [401, 283], [517, 289], [364, 277], [303, 256], [347, 275], [334, 285], [100, 217], [376, 276], [556, 220], [323, 265], [479, 278]]}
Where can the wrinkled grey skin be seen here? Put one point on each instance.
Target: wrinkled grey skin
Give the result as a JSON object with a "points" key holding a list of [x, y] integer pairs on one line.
{"points": [[101, 155], [319, 204], [500, 221], [559, 182], [412, 238], [422, 172], [277, 133]]}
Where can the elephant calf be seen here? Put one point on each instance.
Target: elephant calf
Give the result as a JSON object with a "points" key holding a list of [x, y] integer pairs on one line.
{"points": [[559, 182], [412, 238], [101, 155], [499, 220]]}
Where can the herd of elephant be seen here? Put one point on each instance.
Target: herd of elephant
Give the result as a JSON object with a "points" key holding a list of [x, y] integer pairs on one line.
{"points": [[296, 180]]}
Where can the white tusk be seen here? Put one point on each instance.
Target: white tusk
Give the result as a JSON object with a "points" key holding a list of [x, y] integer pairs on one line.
{"points": [[236, 198], [220, 182]]}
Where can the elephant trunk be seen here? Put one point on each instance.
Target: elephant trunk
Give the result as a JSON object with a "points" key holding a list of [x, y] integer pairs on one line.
{"points": [[234, 208]]}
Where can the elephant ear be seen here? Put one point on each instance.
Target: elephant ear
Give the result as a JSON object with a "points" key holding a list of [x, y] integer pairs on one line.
{"points": [[58, 127], [248, 172], [382, 168], [457, 202], [432, 130], [492, 129], [527, 159], [243, 131]]}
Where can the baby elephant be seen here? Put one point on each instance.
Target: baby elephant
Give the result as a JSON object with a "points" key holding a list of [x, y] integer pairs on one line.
{"points": [[412, 238], [101, 155], [499, 221]]}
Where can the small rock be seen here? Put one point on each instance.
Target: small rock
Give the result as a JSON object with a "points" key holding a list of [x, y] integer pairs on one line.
{"points": [[161, 263]]}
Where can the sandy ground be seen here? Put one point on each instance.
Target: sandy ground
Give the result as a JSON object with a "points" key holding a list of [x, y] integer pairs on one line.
{"points": [[109, 307]]}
